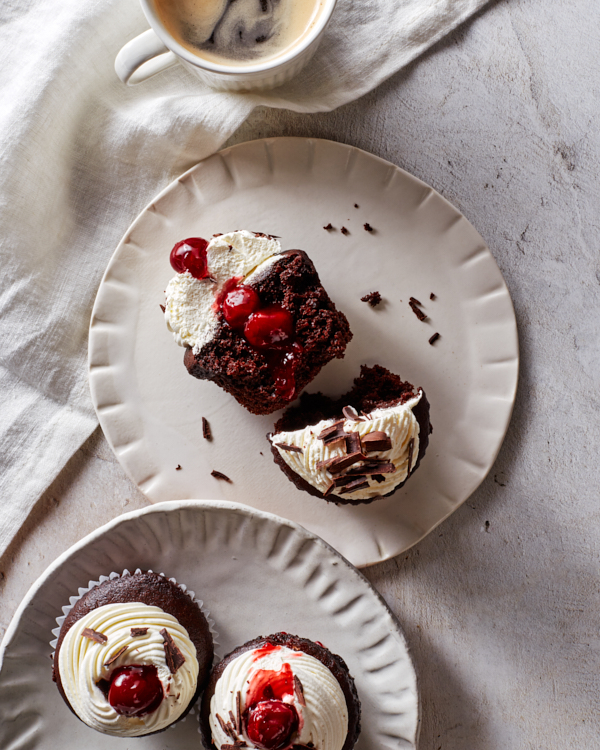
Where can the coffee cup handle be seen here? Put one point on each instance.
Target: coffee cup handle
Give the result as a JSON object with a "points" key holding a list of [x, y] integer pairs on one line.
{"points": [[142, 58]]}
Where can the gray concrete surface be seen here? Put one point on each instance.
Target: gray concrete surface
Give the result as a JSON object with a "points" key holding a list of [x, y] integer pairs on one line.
{"points": [[501, 603]]}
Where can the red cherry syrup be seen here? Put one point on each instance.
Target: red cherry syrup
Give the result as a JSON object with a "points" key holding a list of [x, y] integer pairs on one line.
{"points": [[271, 724], [135, 690], [190, 255]]}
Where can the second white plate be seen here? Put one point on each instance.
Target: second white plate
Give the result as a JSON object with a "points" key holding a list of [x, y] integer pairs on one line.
{"points": [[150, 408]]}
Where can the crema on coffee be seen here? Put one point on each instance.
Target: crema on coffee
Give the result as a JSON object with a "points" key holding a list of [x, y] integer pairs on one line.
{"points": [[238, 32]]}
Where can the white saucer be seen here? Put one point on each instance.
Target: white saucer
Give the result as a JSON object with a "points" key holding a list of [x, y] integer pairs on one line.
{"points": [[257, 574], [150, 408]]}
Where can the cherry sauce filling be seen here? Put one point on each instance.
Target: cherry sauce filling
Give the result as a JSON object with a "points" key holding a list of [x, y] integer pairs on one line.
{"points": [[134, 690], [270, 721]]}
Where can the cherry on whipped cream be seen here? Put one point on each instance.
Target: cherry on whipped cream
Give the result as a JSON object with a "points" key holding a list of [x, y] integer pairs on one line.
{"points": [[190, 255], [271, 724], [269, 328], [135, 690], [238, 305]]}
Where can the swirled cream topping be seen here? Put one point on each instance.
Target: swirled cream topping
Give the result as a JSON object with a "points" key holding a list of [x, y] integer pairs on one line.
{"points": [[316, 695], [397, 422], [82, 660], [190, 309]]}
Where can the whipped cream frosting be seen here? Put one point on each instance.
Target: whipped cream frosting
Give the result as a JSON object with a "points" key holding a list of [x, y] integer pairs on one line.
{"points": [[398, 422], [81, 666], [323, 721], [190, 306]]}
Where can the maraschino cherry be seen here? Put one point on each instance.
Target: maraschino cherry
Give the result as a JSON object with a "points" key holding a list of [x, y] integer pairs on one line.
{"points": [[270, 328], [190, 255], [271, 724], [135, 690], [238, 305]]}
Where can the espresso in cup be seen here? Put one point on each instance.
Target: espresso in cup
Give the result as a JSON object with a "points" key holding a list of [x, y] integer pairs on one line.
{"points": [[238, 32]]}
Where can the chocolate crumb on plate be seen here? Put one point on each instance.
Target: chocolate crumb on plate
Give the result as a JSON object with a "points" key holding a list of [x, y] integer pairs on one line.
{"points": [[206, 431], [432, 296], [368, 227], [373, 298], [329, 227], [173, 655], [94, 635], [434, 338], [356, 205], [415, 307], [178, 467], [344, 231], [163, 308], [219, 475]]}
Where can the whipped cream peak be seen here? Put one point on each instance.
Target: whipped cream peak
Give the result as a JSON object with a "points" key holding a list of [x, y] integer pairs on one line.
{"points": [[84, 663], [190, 308], [303, 682], [310, 460]]}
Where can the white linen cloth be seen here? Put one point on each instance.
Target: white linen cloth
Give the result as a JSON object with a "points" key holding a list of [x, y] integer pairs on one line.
{"points": [[81, 154]]}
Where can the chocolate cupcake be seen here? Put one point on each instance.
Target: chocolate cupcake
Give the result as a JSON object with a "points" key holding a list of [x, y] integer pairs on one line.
{"points": [[358, 448], [253, 319], [280, 692], [133, 654]]}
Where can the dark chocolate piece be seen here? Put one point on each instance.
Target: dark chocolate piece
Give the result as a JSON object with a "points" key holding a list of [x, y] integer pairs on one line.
{"points": [[329, 227], [344, 231], [173, 655], [329, 490], [350, 413], [206, 431], [331, 430], [345, 479], [291, 448], [368, 227], [299, 690], [378, 478], [115, 656], [343, 462], [137, 632], [411, 447], [325, 464], [358, 484], [178, 467], [414, 306], [356, 205], [352, 442], [434, 338], [376, 441], [219, 475], [238, 712], [373, 298], [163, 308], [94, 635], [374, 468], [432, 296]]}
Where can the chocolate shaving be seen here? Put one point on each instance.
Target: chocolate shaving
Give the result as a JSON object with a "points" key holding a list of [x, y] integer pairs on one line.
{"points": [[376, 441], [331, 430], [373, 298], [329, 490], [345, 479], [352, 442], [232, 722], [228, 729], [343, 462], [434, 338], [368, 227], [374, 468], [206, 431], [325, 464], [411, 447], [417, 310], [219, 475], [378, 478], [286, 447], [333, 439], [350, 413], [329, 227], [359, 484], [94, 635], [178, 467], [137, 632], [344, 231], [416, 301], [299, 690], [173, 655], [230, 248], [163, 308], [238, 712], [114, 657], [432, 296]]}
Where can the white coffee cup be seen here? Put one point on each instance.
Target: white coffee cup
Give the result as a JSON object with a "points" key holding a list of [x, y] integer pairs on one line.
{"points": [[156, 50]]}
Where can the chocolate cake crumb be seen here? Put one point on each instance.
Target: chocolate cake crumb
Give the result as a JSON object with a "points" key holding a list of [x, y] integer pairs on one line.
{"points": [[178, 467], [356, 205], [137, 632], [173, 655], [434, 338], [163, 308], [219, 475], [329, 227], [206, 431], [344, 231], [115, 656], [414, 306], [94, 635], [373, 298], [292, 448], [432, 296], [368, 227]]}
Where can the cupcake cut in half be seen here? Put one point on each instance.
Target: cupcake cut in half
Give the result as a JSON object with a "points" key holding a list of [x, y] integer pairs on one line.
{"points": [[132, 655], [253, 319], [358, 448], [280, 692]]}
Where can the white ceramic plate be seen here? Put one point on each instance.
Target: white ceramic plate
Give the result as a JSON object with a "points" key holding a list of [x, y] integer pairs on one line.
{"points": [[150, 408], [257, 574]]}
